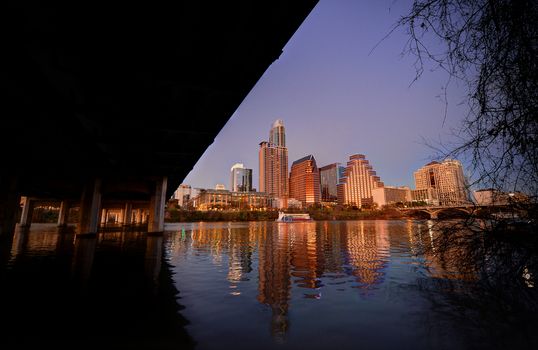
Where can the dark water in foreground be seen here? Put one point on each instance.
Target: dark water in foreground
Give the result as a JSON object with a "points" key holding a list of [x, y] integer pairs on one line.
{"points": [[263, 285]]}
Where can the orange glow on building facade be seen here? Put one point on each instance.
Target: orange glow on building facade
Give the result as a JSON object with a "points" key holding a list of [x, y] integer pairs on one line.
{"points": [[273, 160], [358, 182], [444, 180], [304, 181]]}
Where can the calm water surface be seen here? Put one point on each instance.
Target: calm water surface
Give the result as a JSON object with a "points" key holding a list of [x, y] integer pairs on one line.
{"points": [[263, 285]]}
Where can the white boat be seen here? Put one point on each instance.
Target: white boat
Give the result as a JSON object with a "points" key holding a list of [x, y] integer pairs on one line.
{"points": [[285, 217]]}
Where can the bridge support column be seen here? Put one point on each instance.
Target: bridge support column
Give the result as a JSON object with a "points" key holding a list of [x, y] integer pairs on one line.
{"points": [[63, 216], [127, 213], [433, 215], [90, 205], [9, 204], [156, 207], [103, 216], [27, 212]]}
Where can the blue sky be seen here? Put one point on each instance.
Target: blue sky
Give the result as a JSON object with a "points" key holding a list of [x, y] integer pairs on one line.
{"points": [[337, 97]]}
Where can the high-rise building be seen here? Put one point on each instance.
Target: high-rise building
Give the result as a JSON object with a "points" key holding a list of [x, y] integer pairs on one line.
{"points": [[330, 176], [444, 180], [277, 134], [304, 181], [273, 158], [358, 182], [183, 194], [241, 178]]}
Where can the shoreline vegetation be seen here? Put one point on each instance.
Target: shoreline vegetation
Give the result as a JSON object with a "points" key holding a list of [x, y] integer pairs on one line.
{"points": [[179, 215]]}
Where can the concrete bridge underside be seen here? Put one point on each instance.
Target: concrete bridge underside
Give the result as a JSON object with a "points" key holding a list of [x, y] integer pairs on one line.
{"points": [[111, 102]]}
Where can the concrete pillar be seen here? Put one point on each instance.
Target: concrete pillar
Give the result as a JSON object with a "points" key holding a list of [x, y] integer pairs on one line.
{"points": [[9, 204], [156, 207], [137, 216], [27, 212], [63, 216], [90, 205], [127, 213], [104, 215]]}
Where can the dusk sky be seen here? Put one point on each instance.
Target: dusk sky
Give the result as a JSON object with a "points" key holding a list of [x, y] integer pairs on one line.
{"points": [[338, 98]]}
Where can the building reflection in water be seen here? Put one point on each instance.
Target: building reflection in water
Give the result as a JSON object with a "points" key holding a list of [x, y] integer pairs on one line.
{"points": [[368, 249], [303, 261], [302, 255], [274, 283]]}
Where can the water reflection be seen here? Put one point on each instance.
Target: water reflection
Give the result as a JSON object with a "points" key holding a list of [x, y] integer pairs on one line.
{"points": [[113, 290], [377, 284], [83, 261], [349, 279], [274, 266], [305, 255], [153, 259]]}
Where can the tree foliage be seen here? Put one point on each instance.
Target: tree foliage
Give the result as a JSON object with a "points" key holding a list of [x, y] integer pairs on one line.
{"points": [[491, 46]]}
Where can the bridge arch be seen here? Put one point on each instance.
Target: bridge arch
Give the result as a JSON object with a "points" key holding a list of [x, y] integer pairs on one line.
{"points": [[434, 214]]}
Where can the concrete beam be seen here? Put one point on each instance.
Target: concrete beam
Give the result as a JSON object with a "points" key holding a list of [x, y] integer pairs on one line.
{"points": [[156, 207], [90, 204]]}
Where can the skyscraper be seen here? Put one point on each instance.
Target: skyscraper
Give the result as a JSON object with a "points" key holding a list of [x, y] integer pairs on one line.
{"points": [[304, 181], [359, 181], [444, 181], [277, 135], [330, 176], [273, 158], [241, 178]]}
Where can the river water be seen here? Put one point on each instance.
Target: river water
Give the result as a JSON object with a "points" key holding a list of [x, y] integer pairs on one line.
{"points": [[254, 285]]}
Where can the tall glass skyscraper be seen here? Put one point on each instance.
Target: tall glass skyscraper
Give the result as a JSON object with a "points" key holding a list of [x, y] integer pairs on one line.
{"points": [[330, 176], [241, 178], [277, 135], [273, 158]]}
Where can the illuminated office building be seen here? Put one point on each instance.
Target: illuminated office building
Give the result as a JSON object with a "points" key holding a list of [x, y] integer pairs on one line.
{"points": [[241, 178], [443, 182], [330, 176], [304, 181], [273, 161], [358, 182]]}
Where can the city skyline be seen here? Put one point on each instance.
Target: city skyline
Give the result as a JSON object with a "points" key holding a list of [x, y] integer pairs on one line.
{"points": [[339, 96]]}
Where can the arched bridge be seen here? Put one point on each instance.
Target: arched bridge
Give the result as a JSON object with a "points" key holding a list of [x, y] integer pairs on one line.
{"points": [[434, 211]]}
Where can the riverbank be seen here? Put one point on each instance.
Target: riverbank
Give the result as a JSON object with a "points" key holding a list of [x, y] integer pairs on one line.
{"points": [[176, 215]]}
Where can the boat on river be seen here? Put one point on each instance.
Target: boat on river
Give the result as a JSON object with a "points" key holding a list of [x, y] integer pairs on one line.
{"points": [[293, 217]]}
